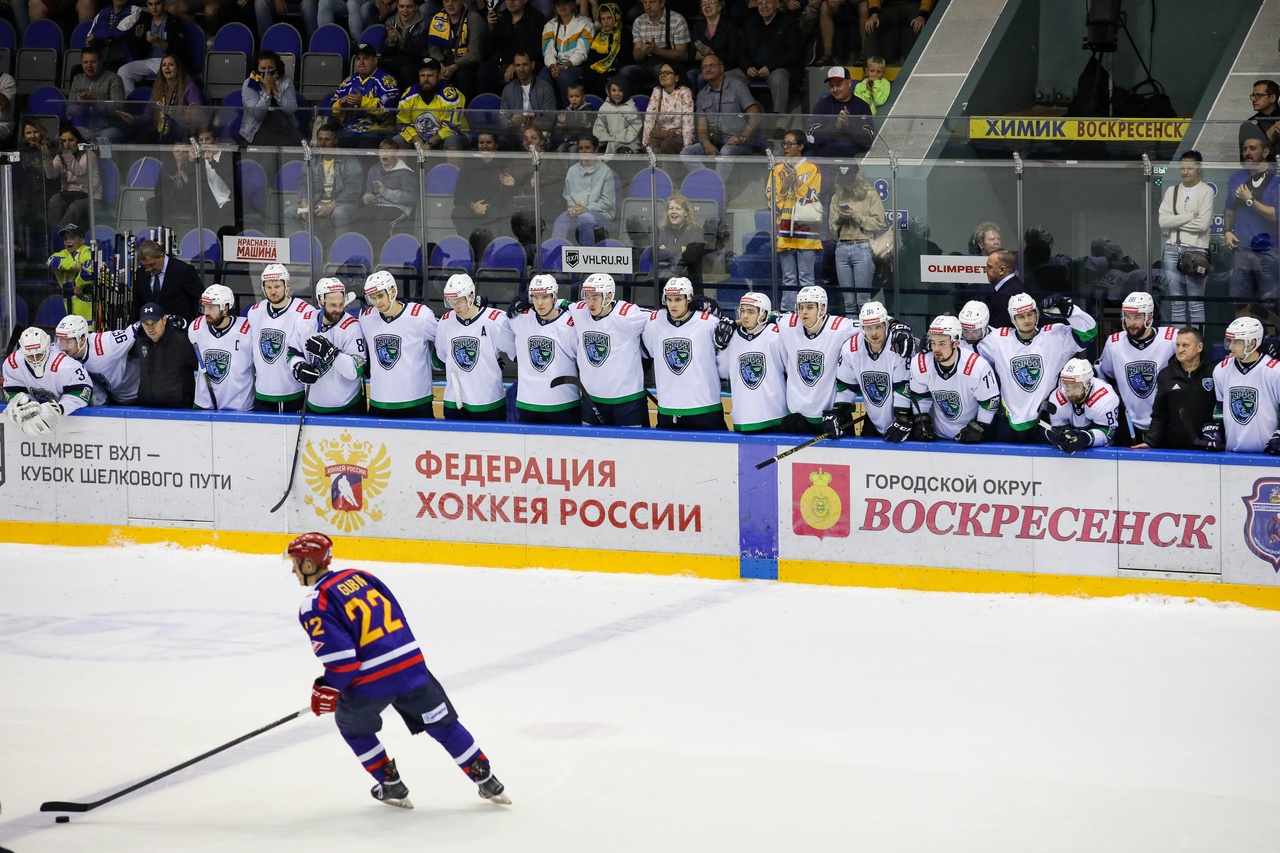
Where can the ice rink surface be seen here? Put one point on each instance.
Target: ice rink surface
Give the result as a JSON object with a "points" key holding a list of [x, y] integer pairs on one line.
{"points": [[636, 713]]}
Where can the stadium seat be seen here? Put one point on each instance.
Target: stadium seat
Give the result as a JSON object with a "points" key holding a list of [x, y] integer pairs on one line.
{"points": [[484, 113], [234, 37], [351, 252], [304, 250], [284, 39], [331, 38], [641, 102], [401, 250], [705, 185], [48, 101], [649, 184], [143, 174], [109, 177], [595, 101], [441, 180], [196, 45], [104, 234], [224, 72], [52, 310], [6, 59], [502, 271], [374, 35], [251, 184], [200, 248], [43, 34], [8, 37], [37, 66], [453, 251], [80, 35], [19, 313], [503, 252], [230, 115], [321, 74], [551, 254], [70, 67]]}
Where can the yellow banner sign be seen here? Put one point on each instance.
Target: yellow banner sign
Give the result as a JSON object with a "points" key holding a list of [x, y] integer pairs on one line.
{"points": [[1078, 129]]}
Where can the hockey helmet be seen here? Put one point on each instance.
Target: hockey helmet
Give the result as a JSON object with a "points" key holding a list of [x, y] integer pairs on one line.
{"points": [[872, 313], [1076, 370], [328, 285], [758, 301], [975, 316], [219, 295], [34, 343], [543, 285], [380, 281], [945, 324], [276, 272], [313, 546], [813, 293], [599, 283], [1247, 329], [460, 286], [1020, 303]]}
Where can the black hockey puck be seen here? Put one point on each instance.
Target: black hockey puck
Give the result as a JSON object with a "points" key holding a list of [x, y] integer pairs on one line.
{"points": [[62, 819]]}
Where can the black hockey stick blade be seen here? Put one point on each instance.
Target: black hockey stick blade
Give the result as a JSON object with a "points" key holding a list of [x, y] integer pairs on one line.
{"points": [[810, 443], [297, 447], [60, 806], [567, 379]]}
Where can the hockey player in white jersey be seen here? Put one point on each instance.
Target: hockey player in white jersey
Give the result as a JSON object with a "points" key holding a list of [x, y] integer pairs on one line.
{"points": [[872, 368], [470, 341], [609, 357], [1247, 383], [813, 341], [953, 387], [398, 337], [1131, 359], [336, 354], [753, 359], [224, 351], [279, 324], [1026, 356], [41, 390], [681, 342], [975, 322], [546, 348], [105, 356], [1082, 411]]}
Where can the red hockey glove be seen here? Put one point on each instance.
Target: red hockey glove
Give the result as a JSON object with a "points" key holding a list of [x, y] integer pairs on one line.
{"points": [[324, 699]]}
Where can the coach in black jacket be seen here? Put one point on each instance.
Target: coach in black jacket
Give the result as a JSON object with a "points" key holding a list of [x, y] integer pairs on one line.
{"points": [[167, 361], [173, 284], [1184, 395]]}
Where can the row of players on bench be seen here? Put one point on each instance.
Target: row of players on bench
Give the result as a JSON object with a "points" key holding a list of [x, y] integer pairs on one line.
{"points": [[584, 363]]}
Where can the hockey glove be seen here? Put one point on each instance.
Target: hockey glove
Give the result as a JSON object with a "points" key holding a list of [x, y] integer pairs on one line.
{"points": [[324, 699], [832, 425], [482, 301], [901, 341], [324, 350], [51, 414], [922, 428], [173, 320], [900, 429], [1059, 306], [518, 306], [305, 372], [706, 304], [1271, 346], [1074, 440], [1273, 446], [1212, 437], [724, 332], [974, 432], [13, 411]]}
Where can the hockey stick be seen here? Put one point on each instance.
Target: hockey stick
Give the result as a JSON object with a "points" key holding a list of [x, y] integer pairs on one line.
{"points": [[570, 379], [59, 806], [297, 448], [810, 443]]}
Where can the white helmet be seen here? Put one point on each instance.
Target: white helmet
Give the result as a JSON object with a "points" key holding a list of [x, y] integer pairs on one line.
{"points": [[276, 272], [328, 285], [601, 283], [380, 281], [1077, 370], [758, 301], [1020, 303], [1247, 329], [945, 324], [219, 295], [543, 285], [975, 316], [678, 286], [872, 313], [34, 342], [460, 286], [1139, 303], [813, 293], [72, 326]]}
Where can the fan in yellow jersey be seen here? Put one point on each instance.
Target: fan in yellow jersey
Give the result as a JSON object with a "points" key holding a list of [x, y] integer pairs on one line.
{"points": [[792, 192], [365, 102], [433, 115]]}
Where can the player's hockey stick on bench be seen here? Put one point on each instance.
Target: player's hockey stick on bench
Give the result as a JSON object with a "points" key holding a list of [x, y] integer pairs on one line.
{"points": [[59, 806], [570, 379], [297, 448], [810, 443]]}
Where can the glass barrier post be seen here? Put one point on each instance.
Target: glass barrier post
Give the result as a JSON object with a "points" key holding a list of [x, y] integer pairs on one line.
{"points": [[311, 200], [8, 290], [1147, 173], [774, 295], [894, 269], [1019, 217], [424, 261], [91, 159], [197, 158], [537, 199], [653, 227]]}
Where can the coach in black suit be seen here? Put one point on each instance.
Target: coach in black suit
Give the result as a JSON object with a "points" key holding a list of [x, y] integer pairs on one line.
{"points": [[169, 282], [1002, 273]]}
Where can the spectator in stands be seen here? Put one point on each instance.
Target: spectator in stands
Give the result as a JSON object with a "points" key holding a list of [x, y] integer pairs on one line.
{"points": [[268, 12], [515, 29], [360, 14], [566, 41], [166, 362], [618, 123], [659, 38], [842, 125], [1253, 199], [795, 183], [33, 184], [217, 14], [591, 196], [174, 111], [668, 121], [221, 209], [1186, 213], [681, 243], [112, 32], [527, 101], [856, 215], [174, 202], [892, 27], [379, 11], [337, 182], [482, 200], [772, 52], [728, 120], [365, 102], [574, 121], [456, 37], [71, 167], [1046, 272], [827, 12], [1266, 115], [405, 42], [94, 100], [8, 94], [38, 10], [390, 187], [270, 104], [170, 282], [713, 34], [610, 50], [985, 239], [873, 88], [156, 33], [431, 114], [72, 268]]}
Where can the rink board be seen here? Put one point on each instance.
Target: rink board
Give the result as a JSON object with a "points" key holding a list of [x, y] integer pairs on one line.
{"points": [[1106, 522]]}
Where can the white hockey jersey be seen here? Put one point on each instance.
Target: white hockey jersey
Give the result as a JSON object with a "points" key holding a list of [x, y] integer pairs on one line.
{"points": [[64, 381], [969, 391], [684, 363], [1250, 400], [882, 378], [341, 381], [278, 337], [115, 376], [755, 366], [469, 350], [609, 352], [812, 361], [544, 351], [399, 355], [1098, 413], [227, 358], [1132, 369], [1028, 370]]}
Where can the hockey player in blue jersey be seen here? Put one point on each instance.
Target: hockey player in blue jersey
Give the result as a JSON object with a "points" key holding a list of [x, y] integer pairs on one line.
{"points": [[372, 661]]}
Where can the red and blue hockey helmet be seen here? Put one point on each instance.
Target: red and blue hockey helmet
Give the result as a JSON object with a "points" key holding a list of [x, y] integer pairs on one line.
{"points": [[314, 546]]}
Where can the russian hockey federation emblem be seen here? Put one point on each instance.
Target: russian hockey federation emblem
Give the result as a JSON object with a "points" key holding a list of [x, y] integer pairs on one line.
{"points": [[948, 402], [1262, 521], [466, 352], [344, 476], [809, 364], [596, 346], [542, 351], [1142, 377], [751, 367], [1027, 370], [875, 387], [217, 363], [677, 352], [387, 348], [271, 344], [1244, 404]]}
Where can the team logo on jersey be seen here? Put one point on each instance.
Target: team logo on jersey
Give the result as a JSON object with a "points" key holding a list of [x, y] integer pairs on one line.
{"points": [[217, 364], [1027, 370], [1262, 521], [542, 351], [820, 495], [948, 402], [344, 476], [809, 363], [1207, 384], [596, 346], [1141, 376], [677, 352], [271, 344], [875, 387], [387, 348], [1244, 404], [751, 367], [466, 352]]}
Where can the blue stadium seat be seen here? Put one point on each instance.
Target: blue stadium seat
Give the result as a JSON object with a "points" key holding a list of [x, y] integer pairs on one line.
{"points": [[44, 33], [351, 249], [48, 101], [441, 180], [283, 38], [234, 36], [401, 250], [80, 35], [8, 38], [331, 38], [453, 251], [704, 184], [650, 183], [51, 311], [551, 254], [143, 174]]}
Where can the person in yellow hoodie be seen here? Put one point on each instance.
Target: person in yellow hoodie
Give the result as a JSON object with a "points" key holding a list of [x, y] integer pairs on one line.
{"points": [[73, 270]]}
